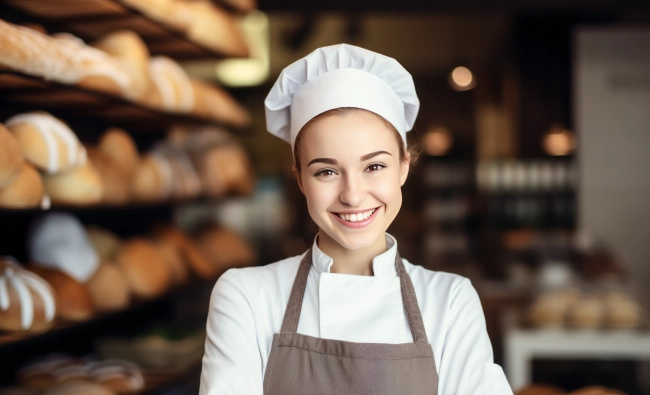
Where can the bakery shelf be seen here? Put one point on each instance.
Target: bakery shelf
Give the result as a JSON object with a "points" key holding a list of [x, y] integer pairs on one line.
{"points": [[91, 19], [68, 102]]}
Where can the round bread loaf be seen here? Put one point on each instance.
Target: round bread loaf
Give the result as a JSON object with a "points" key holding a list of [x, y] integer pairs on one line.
{"points": [[188, 249], [174, 260], [108, 288], [11, 157], [27, 301], [47, 142], [153, 180], [224, 248], [116, 186], [81, 186], [129, 47], [106, 244], [74, 301], [145, 269], [212, 102], [120, 147], [26, 191]]}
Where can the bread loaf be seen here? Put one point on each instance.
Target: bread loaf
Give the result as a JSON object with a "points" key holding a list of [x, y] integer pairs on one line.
{"points": [[108, 288], [224, 248], [153, 180], [41, 375], [116, 186], [81, 186], [26, 191], [144, 268], [81, 388], [101, 72], [74, 301], [215, 103], [174, 260], [11, 157], [189, 251], [172, 83], [27, 301], [129, 47], [120, 147], [120, 376], [47, 142], [104, 242]]}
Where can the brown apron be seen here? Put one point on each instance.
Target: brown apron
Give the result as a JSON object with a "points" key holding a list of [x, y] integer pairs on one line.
{"points": [[300, 364]]}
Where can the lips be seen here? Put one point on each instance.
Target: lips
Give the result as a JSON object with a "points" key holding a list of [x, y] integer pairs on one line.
{"points": [[356, 220]]}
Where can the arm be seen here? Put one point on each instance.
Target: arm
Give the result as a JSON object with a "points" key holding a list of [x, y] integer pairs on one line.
{"points": [[232, 362], [466, 363]]}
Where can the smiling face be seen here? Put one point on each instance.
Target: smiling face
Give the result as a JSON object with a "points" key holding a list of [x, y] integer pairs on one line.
{"points": [[351, 175]]}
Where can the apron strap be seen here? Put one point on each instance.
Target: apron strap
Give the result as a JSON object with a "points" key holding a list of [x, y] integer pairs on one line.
{"points": [[409, 300]]}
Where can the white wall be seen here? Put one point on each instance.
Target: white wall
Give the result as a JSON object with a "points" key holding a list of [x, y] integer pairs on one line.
{"points": [[612, 114]]}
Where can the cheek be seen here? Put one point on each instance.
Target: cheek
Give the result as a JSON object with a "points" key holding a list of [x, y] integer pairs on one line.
{"points": [[387, 190], [319, 195]]}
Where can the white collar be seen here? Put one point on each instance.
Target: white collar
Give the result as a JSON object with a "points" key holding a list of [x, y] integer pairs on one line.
{"points": [[383, 265]]}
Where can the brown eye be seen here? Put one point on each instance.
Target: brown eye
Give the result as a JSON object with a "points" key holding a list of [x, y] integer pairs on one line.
{"points": [[325, 172], [375, 167]]}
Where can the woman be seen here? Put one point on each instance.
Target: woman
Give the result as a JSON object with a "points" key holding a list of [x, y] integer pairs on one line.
{"points": [[349, 315]]}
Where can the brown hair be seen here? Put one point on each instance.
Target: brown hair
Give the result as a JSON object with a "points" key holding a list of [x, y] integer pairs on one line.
{"points": [[412, 148]]}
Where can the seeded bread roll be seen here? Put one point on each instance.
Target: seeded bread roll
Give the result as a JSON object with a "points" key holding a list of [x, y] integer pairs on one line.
{"points": [[74, 301], [28, 301], [26, 191], [145, 269], [11, 157], [47, 142], [120, 147], [188, 249], [108, 288], [81, 186], [116, 187], [129, 47]]}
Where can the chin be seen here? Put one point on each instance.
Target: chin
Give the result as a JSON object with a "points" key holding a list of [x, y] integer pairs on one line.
{"points": [[354, 240]]}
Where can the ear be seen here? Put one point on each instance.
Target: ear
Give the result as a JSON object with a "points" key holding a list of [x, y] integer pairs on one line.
{"points": [[404, 168]]}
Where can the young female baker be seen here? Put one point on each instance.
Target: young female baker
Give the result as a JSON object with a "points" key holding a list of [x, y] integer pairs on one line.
{"points": [[349, 316]]}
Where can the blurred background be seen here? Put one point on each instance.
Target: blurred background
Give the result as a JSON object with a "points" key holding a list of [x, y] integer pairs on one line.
{"points": [[135, 143]]}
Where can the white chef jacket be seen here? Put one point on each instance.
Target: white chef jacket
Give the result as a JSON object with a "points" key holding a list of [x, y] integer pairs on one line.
{"points": [[247, 307]]}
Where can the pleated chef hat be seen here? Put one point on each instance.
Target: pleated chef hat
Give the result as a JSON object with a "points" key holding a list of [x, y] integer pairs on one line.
{"points": [[340, 76], [59, 241]]}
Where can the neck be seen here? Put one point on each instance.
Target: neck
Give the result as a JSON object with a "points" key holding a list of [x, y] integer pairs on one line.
{"points": [[357, 262]]}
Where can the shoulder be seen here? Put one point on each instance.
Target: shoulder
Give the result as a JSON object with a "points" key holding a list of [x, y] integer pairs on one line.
{"points": [[440, 286]]}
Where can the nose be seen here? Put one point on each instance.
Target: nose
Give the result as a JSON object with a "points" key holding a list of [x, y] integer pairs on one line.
{"points": [[353, 190]]}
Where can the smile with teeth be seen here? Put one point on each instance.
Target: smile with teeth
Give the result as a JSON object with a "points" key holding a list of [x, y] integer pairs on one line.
{"points": [[357, 217]]}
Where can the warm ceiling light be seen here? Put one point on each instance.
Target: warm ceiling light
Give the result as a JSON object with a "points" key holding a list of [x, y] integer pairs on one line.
{"points": [[437, 141], [559, 141], [462, 79]]}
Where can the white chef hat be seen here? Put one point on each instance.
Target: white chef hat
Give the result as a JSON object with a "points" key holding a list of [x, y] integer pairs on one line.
{"points": [[59, 241], [340, 76]]}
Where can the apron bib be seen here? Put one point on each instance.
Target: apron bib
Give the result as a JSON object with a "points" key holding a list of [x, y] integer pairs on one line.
{"points": [[300, 364]]}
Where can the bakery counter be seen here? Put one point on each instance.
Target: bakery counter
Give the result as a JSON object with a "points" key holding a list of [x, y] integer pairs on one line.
{"points": [[91, 19]]}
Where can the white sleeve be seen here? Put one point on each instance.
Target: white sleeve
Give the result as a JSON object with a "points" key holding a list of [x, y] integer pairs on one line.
{"points": [[232, 363], [466, 363]]}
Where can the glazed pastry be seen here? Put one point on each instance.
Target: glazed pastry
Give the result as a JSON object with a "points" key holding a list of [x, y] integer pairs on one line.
{"points": [[104, 242], [47, 142], [101, 72], [172, 83], [144, 268], [224, 248], [81, 186], [129, 47], [118, 375], [153, 179], [34, 53], [11, 157], [74, 301], [212, 102], [188, 249], [120, 147], [27, 301], [108, 288], [26, 191], [116, 187]]}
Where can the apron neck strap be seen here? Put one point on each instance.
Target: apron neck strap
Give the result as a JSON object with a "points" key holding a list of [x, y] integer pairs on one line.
{"points": [[409, 300]]}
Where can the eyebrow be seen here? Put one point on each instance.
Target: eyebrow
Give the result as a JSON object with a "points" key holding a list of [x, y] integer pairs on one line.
{"points": [[330, 161]]}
